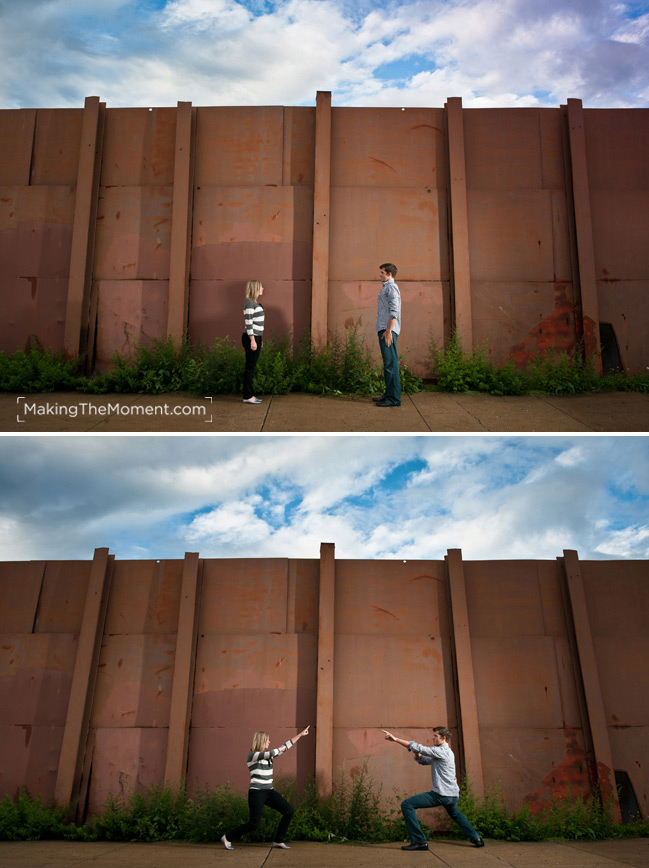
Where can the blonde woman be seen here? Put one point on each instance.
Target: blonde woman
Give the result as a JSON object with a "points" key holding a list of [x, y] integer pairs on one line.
{"points": [[261, 792], [252, 337]]}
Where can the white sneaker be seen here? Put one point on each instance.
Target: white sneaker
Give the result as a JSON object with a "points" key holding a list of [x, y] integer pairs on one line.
{"points": [[281, 846], [226, 843]]}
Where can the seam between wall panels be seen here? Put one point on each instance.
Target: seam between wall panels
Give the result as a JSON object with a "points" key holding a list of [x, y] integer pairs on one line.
{"points": [[40, 594]]}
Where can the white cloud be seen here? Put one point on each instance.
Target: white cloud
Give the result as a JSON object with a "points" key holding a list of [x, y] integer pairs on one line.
{"points": [[571, 457], [221, 16], [233, 524], [630, 542], [374, 497], [13, 541], [635, 31], [213, 52]]}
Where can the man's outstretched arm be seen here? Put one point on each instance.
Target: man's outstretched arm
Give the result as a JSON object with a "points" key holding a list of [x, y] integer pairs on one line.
{"points": [[390, 737]]}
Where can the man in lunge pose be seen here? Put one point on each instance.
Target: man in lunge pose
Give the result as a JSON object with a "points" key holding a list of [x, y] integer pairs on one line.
{"points": [[445, 790]]}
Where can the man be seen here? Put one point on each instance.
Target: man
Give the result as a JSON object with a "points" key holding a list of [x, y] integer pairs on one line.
{"points": [[388, 326], [444, 792]]}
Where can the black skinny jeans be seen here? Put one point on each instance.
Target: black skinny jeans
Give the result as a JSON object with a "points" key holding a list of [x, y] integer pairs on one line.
{"points": [[252, 357], [256, 801]]}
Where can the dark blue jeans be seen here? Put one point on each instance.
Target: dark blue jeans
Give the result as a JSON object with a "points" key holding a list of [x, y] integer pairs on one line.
{"points": [[392, 393], [433, 800]]}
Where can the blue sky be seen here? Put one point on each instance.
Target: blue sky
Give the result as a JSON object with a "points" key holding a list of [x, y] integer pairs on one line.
{"points": [[254, 52], [373, 496]]}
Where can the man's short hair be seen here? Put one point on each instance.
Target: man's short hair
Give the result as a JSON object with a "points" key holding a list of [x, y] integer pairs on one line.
{"points": [[442, 730], [390, 268]]}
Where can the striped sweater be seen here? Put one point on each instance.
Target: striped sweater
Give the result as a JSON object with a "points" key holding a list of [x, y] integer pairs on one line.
{"points": [[260, 765], [253, 317]]}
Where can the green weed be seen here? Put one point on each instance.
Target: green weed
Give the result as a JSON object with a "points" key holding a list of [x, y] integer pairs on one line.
{"points": [[454, 370], [356, 810], [492, 818], [38, 370], [457, 371], [343, 367], [27, 818], [565, 816]]}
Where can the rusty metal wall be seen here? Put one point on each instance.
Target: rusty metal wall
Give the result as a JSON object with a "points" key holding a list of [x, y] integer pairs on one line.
{"points": [[618, 605], [522, 279], [252, 218], [618, 170], [130, 710], [40, 614], [536, 236], [256, 666], [389, 203], [537, 667], [531, 724], [39, 153], [131, 254], [393, 666]]}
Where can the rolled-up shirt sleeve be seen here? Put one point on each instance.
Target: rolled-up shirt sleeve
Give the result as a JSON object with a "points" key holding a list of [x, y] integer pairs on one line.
{"points": [[427, 750], [442, 766], [394, 304]]}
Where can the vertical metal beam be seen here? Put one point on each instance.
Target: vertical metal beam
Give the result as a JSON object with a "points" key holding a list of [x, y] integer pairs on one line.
{"points": [[469, 727], [321, 204], [325, 688], [287, 145], [75, 338], [77, 722], [460, 267], [18, 152], [584, 231], [181, 222], [590, 678], [182, 690]]}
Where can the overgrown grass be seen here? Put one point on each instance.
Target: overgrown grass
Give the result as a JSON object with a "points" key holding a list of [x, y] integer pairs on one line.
{"points": [[454, 370], [27, 818], [344, 367], [37, 370], [563, 816], [355, 811]]}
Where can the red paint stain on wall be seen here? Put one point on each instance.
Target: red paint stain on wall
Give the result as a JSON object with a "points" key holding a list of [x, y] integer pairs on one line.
{"points": [[554, 333], [570, 776], [589, 336]]}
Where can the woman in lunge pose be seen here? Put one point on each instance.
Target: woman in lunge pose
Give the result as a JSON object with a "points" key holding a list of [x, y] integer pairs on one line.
{"points": [[261, 792]]}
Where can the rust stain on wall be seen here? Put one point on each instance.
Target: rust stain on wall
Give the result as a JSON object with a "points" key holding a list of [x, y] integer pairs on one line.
{"points": [[554, 333], [570, 777]]}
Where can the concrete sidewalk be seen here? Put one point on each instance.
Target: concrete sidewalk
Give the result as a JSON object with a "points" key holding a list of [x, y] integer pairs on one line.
{"points": [[447, 853], [67, 412]]}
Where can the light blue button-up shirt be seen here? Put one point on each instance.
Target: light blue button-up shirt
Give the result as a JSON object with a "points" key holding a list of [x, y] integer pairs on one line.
{"points": [[442, 766], [389, 307]]}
